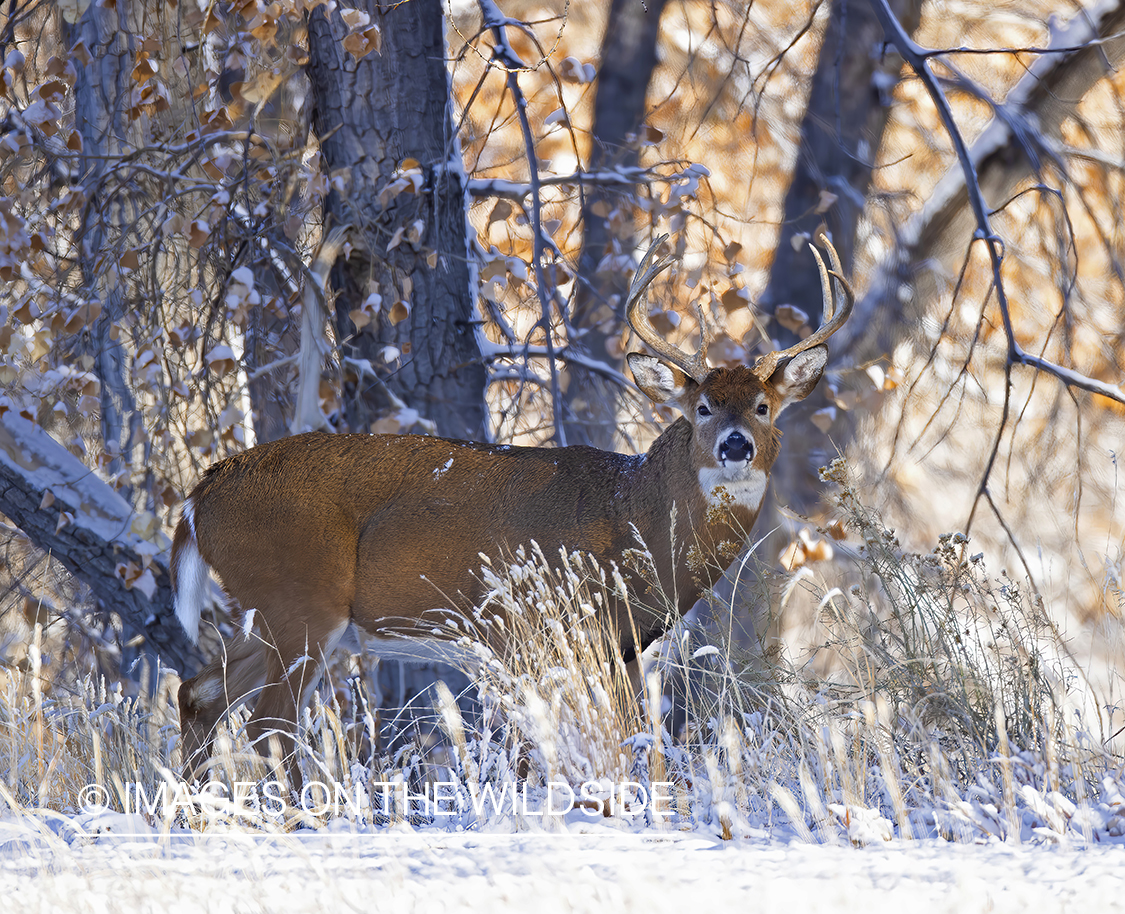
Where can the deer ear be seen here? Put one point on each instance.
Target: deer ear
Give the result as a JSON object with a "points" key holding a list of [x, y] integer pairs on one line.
{"points": [[795, 379], [661, 382]]}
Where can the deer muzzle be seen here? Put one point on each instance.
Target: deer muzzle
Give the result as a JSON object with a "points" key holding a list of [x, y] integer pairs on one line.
{"points": [[735, 448]]}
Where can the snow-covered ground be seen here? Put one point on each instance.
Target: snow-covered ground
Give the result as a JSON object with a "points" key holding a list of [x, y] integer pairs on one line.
{"points": [[53, 866]]}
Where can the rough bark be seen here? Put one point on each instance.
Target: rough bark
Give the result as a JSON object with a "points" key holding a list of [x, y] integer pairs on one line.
{"points": [[267, 339], [628, 58], [66, 510], [374, 115], [103, 93]]}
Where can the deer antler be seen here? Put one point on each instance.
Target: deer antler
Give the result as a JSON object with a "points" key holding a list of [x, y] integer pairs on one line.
{"points": [[833, 319], [636, 311]]}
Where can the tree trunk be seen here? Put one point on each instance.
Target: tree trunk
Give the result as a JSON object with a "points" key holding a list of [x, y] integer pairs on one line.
{"points": [[103, 95], [268, 338], [627, 60], [849, 103], [376, 115]]}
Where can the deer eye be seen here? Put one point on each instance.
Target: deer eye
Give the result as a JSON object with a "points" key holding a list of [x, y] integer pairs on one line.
{"points": [[763, 410], [703, 409]]}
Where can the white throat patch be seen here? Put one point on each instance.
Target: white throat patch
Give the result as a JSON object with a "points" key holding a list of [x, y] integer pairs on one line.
{"points": [[746, 486]]}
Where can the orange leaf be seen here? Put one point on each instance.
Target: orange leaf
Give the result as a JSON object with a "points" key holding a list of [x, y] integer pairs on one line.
{"points": [[265, 32], [399, 312], [144, 70], [198, 234], [213, 21]]}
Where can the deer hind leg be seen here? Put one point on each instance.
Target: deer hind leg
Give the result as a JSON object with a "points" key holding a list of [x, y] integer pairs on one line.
{"points": [[293, 670], [234, 676]]}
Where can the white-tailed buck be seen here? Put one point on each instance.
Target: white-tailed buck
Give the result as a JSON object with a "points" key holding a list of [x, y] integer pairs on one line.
{"points": [[316, 532]]}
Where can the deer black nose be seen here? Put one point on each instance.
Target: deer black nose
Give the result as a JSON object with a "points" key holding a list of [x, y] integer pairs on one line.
{"points": [[736, 448]]}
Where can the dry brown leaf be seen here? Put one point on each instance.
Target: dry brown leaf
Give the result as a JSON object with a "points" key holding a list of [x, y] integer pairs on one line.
{"points": [[201, 438], [399, 312], [823, 418], [500, 212], [221, 360], [735, 299], [144, 70], [791, 317], [361, 317], [213, 20], [198, 234], [65, 520]]}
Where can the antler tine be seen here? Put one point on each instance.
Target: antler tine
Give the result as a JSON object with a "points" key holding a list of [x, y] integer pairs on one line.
{"points": [[834, 317], [636, 312]]}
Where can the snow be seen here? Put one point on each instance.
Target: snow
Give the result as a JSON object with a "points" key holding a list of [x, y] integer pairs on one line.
{"points": [[107, 862]]}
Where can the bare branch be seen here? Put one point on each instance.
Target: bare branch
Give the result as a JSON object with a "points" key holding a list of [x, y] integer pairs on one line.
{"points": [[919, 59], [623, 177], [503, 52]]}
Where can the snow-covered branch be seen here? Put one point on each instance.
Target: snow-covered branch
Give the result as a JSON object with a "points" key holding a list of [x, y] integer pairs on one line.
{"points": [[68, 511], [566, 353], [627, 178]]}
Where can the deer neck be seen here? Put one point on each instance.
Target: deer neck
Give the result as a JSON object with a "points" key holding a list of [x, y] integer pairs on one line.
{"points": [[711, 527]]}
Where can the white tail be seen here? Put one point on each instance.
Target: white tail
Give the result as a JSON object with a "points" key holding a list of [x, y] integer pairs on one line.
{"points": [[192, 576], [318, 531]]}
